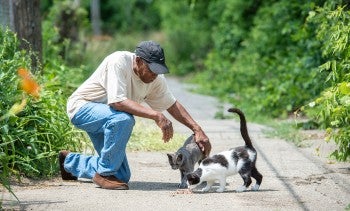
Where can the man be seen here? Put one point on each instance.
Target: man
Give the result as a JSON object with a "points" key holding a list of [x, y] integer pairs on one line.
{"points": [[104, 106]]}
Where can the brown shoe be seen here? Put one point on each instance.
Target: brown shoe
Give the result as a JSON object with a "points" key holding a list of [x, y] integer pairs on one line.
{"points": [[64, 174], [109, 182]]}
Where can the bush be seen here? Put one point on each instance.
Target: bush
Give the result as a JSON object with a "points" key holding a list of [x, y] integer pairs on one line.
{"points": [[31, 139], [268, 66], [64, 27], [126, 16], [272, 57], [186, 26], [332, 108]]}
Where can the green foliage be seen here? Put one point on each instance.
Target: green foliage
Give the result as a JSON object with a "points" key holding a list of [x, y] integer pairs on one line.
{"points": [[185, 24], [10, 60], [270, 57], [332, 108], [267, 63], [64, 28], [60, 52], [125, 16], [31, 140], [122, 16]]}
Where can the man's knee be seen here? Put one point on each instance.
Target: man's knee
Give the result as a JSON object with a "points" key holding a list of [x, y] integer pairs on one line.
{"points": [[125, 119]]}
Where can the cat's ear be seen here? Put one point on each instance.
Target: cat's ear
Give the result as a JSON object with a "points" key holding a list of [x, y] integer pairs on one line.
{"points": [[170, 156], [179, 158]]}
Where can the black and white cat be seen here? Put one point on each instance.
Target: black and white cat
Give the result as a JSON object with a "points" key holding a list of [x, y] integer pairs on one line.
{"points": [[185, 158], [237, 160]]}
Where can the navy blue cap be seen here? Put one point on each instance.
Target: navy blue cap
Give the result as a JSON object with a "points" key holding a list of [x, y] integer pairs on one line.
{"points": [[153, 54]]}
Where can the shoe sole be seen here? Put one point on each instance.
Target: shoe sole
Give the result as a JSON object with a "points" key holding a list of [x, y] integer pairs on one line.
{"points": [[121, 187]]}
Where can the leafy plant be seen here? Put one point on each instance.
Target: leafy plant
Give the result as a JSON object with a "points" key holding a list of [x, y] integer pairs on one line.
{"points": [[332, 108], [10, 59], [185, 24], [273, 57], [267, 65], [33, 131]]}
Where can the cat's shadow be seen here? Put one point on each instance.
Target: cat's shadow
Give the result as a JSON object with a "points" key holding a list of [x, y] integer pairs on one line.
{"points": [[152, 186], [231, 191], [197, 190], [161, 186]]}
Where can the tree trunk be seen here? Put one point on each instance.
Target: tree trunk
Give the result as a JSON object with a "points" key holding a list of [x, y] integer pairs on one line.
{"points": [[5, 14], [96, 17], [26, 22]]}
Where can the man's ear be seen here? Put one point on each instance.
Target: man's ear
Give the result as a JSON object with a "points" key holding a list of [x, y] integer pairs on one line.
{"points": [[139, 60]]}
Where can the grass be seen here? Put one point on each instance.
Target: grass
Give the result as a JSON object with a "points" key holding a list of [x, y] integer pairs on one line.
{"points": [[286, 130], [146, 136]]}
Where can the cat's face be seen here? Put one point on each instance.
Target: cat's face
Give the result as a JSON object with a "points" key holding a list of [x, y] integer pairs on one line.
{"points": [[175, 160]]}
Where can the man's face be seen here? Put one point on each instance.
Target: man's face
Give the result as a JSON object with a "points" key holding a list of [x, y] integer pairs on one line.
{"points": [[145, 74]]}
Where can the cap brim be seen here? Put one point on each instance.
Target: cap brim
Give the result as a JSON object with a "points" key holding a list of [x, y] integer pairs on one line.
{"points": [[158, 68]]}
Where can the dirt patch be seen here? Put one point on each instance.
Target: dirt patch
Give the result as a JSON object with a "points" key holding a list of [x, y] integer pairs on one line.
{"points": [[312, 179]]}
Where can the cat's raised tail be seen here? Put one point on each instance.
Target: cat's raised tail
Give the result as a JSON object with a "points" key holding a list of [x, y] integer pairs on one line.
{"points": [[244, 130]]}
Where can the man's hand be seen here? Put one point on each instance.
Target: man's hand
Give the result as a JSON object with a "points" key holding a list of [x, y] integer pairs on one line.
{"points": [[136, 109], [166, 126], [203, 142], [181, 115]]}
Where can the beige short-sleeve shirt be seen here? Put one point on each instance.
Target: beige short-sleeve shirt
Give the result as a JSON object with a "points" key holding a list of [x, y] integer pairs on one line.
{"points": [[114, 81]]}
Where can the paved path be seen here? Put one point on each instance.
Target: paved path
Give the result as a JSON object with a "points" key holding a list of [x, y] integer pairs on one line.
{"points": [[294, 178]]}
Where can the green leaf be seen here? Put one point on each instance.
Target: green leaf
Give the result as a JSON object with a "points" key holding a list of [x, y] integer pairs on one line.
{"points": [[345, 100], [344, 88]]}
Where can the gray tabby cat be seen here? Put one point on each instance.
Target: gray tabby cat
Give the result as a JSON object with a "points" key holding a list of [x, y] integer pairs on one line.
{"points": [[240, 160], [185, 159]]}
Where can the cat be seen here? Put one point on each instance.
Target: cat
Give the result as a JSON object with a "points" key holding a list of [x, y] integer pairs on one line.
{"points": [[185, 159], [237, 160]]}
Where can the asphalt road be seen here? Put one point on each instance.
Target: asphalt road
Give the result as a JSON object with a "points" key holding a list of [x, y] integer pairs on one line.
{"points": [[294, 178]]}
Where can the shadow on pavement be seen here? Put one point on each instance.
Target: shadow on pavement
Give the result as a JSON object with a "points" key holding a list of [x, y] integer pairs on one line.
{"points": [[23, 205], [152, 186]]}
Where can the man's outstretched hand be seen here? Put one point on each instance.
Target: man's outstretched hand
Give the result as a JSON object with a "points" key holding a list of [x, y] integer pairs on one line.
{"points": [[166, 127], [203, 142]]}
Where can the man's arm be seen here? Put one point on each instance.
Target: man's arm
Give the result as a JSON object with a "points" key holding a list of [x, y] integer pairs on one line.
{"points": [[137, 109], [181, 115]]}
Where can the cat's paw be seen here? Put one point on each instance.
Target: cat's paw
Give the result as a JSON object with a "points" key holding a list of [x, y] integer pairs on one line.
{"points": [[206, 189], [255, 187], [182, 186], [220, 190], [241, 188]]}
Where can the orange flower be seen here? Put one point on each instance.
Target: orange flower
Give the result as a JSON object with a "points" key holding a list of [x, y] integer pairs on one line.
{"points": [[28, 84]]}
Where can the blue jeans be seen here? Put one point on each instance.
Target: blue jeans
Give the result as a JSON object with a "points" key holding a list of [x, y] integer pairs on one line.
{"points": [[109, 131]]}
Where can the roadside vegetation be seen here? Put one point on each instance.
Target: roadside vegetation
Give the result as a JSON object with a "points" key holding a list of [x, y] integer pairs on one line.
{"points": [[273, 59]]}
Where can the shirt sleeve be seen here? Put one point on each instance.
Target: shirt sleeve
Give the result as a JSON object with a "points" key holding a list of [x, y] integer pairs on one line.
{"points": [[160, 98], [116, 81]]}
